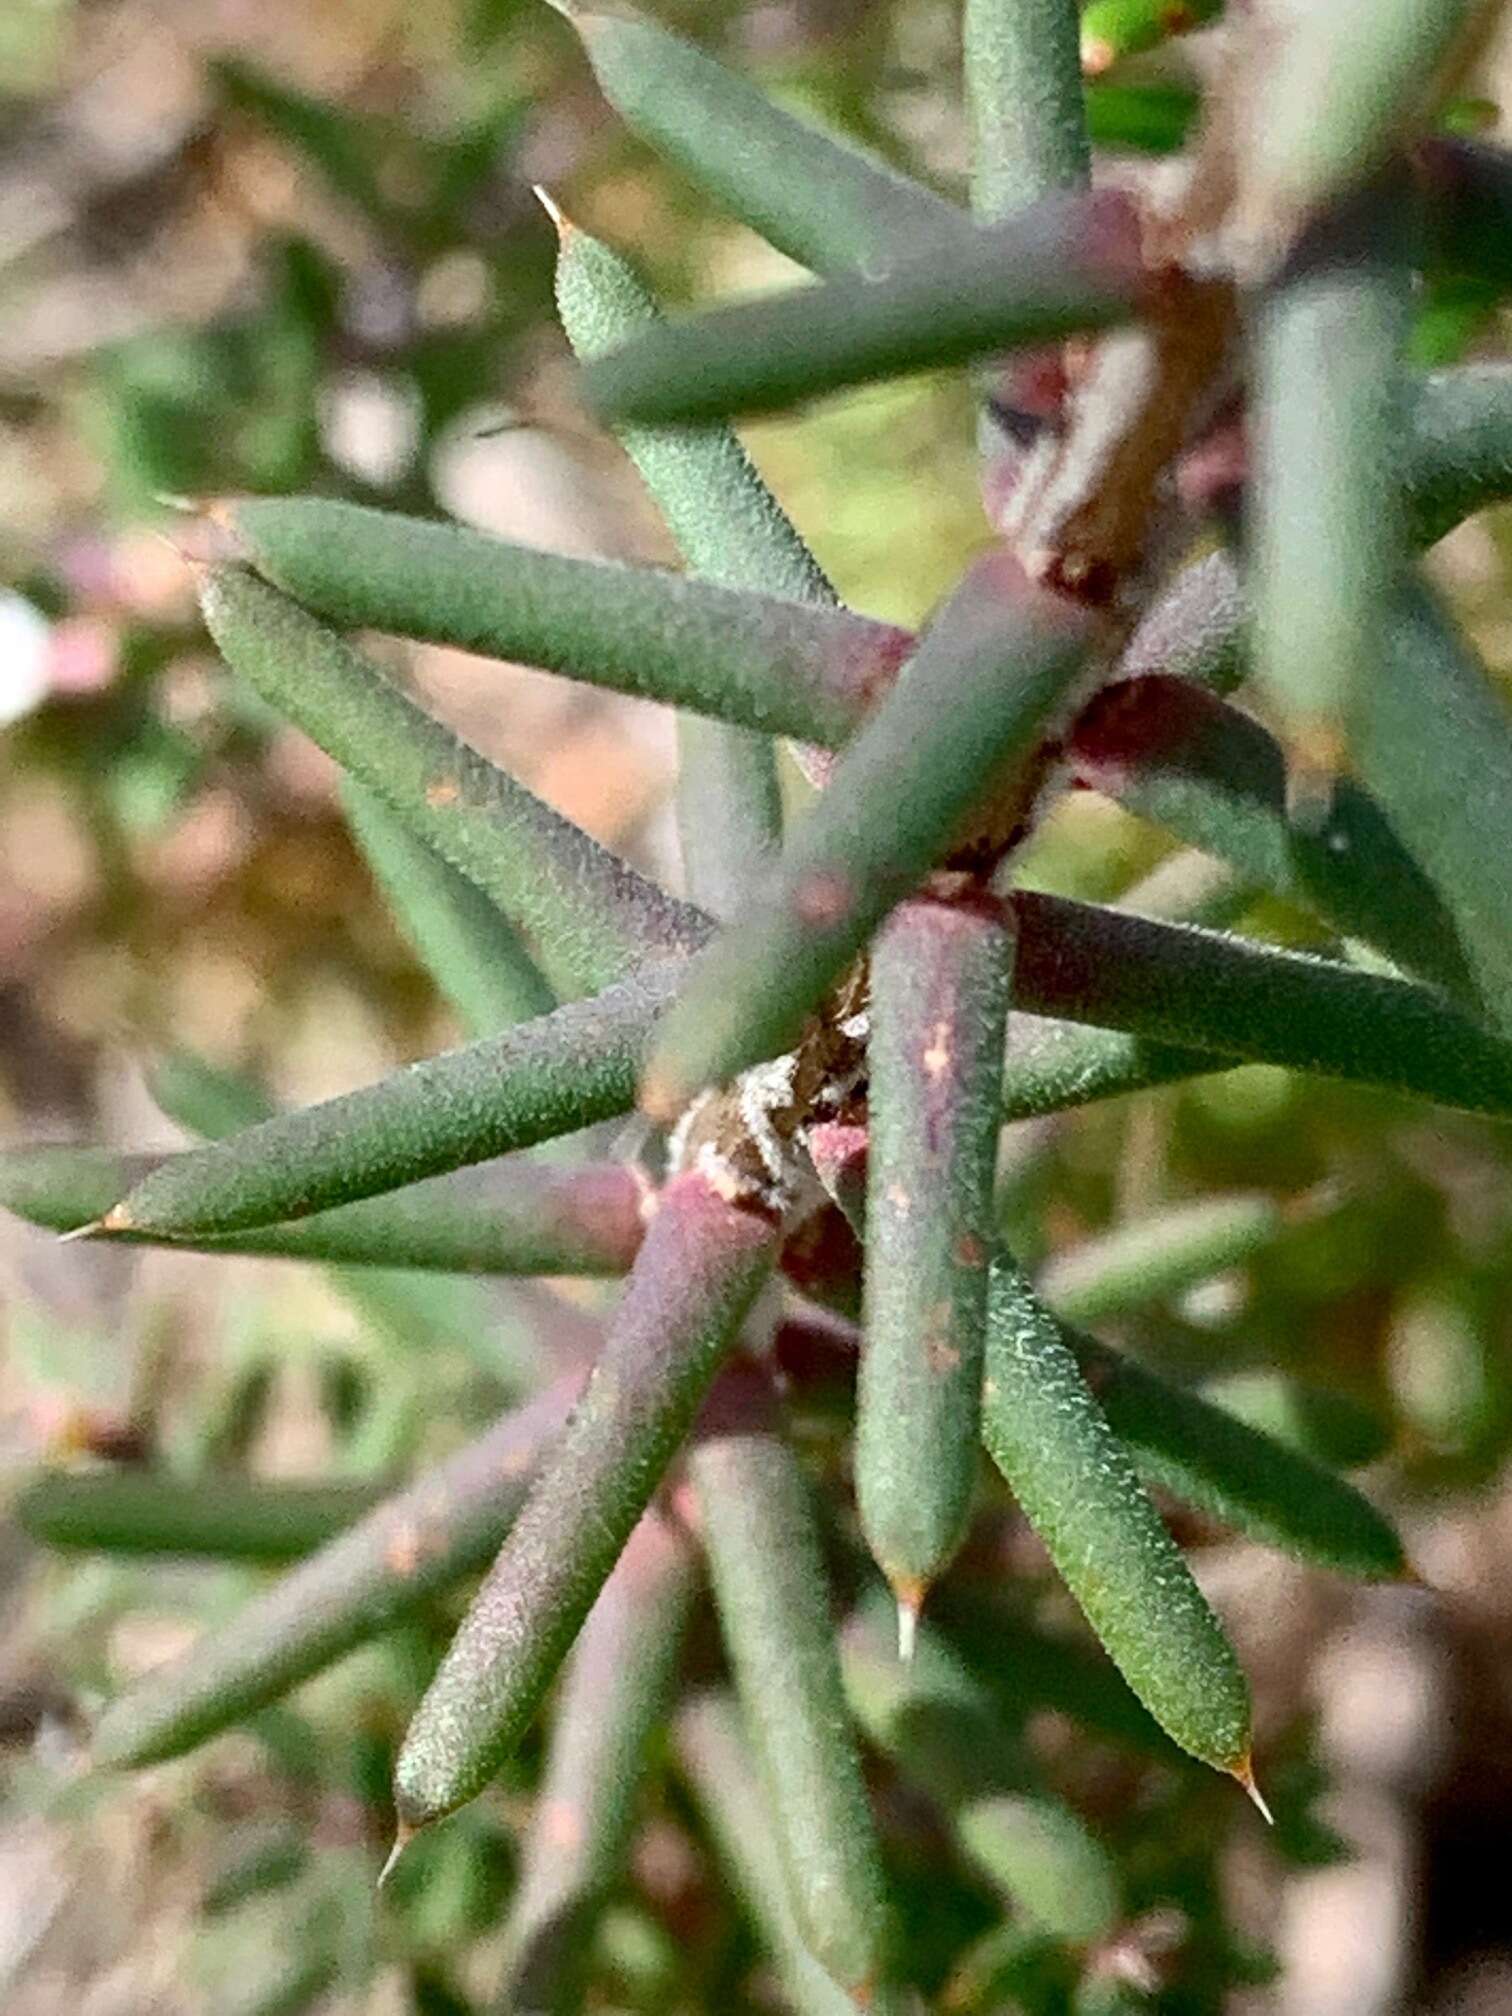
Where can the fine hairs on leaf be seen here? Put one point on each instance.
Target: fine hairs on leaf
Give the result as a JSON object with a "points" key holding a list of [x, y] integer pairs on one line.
{"points": [[800, 1604]]}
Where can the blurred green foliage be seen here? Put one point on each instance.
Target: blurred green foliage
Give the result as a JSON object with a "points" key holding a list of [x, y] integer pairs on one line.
{"points": [[423, 270]]}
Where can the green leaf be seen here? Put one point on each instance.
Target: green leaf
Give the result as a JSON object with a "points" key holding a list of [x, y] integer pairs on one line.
{"points": [[767, 1567], [701, 1266], [1450, 313], [1078, 1489], [988, 676], [64, 1188], [590, 917], [540, 1079], [346, 151], [1435, 748], [765, 661], [940, 983], [1460, 450], [382, 1570], [1241, 1477], [616, 1691], [1327, 545], [526, 1215], [729, 529], [812, 196], [1239, 999], [714, 1752], [1022, 74], [1151, 1259], [1027, 1668], [467, 946], [943, 1728], [222, 1518], [1053, 1066], [1187, 760], [204, 1098], [1329, 1427], [1064, 264]]}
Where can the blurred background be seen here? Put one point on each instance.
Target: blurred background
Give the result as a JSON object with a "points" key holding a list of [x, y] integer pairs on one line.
{"points": [[286, 247]]}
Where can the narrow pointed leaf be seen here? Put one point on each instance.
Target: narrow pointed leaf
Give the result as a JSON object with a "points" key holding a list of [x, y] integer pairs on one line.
{"points": [[714, 1750], [1329, 1427], [1024, 94], [525, 1216], [63, 1188], [762, 1541], [589, 915], [765, 661], [1327, 538], [943, 1728], [205, 1098], [540, 1079], [378, 1572], [1435, 748], [221, 1518], [696, 1275], [812, 196], [940, 982], [729, 529], [1068, 263], [1243, 1478], [1054, 1066], [1078, 1489], [1187, 760], [729, 811], [1147, 1260], [964, 722], [463, 940], [1027, 1668], [616, 1691], [1242, 1000]]}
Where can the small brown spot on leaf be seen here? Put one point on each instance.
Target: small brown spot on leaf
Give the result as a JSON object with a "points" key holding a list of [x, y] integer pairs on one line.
{"points": [[970, 1251], [441, 792], [936, 1058], [823, 898], [402, 1555], [941, 1356]]}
